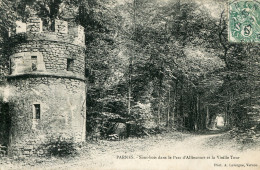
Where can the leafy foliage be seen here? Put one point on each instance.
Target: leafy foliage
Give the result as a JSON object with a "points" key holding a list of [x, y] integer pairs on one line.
{"points": [[60, 147]]}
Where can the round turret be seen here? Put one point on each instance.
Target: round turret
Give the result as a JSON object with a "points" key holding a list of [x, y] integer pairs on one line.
{"points": [[48, 84]]}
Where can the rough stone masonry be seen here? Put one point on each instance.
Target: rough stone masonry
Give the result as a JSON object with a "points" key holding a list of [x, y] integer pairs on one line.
{"points": [[48, 85]]}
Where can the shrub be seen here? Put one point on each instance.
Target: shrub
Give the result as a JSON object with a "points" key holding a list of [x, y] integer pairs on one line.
{"points": [[60, 147], [244, 135]]}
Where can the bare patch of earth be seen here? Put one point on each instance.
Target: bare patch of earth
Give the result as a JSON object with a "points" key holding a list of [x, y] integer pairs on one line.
{"points": [[172, 150]]}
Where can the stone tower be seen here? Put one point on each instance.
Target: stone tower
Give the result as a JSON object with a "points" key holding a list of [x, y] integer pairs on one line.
{"points": [[48, 84]]}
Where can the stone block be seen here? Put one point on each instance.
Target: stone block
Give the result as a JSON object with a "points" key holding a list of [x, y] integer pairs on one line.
{"points": [[34, 25], [81, 34], [61, 26], [27, 152], [29, 147], [20, 27]]}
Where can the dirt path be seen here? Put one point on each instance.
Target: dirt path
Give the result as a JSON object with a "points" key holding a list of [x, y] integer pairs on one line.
{"points": [[167, 151], [178, 151]]}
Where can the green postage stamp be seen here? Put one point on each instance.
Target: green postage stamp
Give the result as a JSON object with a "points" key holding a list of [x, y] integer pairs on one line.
{"points": [[244, 21]]}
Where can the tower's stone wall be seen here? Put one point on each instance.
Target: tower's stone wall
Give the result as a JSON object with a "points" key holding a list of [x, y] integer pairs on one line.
{"points": [[63, 111], [47, 71], [52, 56]]}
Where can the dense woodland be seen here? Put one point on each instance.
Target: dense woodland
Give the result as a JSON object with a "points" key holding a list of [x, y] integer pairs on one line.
{"points": [[154, 63]]}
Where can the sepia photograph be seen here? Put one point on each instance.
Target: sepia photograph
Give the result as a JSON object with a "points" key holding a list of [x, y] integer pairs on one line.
{"points": [[130, 84]]}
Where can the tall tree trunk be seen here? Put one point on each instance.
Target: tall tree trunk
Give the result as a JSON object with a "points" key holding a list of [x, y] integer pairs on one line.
{"points": [[159, 109], [204, 118], [174, 103], [226, 116], [129, 96], [169, 108], [207, 116], [181, 103], [197, 112], [231, 115], [192, 112], [131, 66]]}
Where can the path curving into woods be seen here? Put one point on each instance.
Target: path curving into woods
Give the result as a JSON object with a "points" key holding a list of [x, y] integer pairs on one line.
{"points": [[165, 151]]}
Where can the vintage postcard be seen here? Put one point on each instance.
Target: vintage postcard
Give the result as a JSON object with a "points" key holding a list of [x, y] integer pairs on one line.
{"points": [[130, 84]]}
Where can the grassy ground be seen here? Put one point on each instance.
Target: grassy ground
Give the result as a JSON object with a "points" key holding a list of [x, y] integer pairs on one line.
{"points": [[172, 150]]}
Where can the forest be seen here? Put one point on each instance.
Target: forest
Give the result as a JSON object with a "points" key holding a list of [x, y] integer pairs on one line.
{"points": [[155, 64]]}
